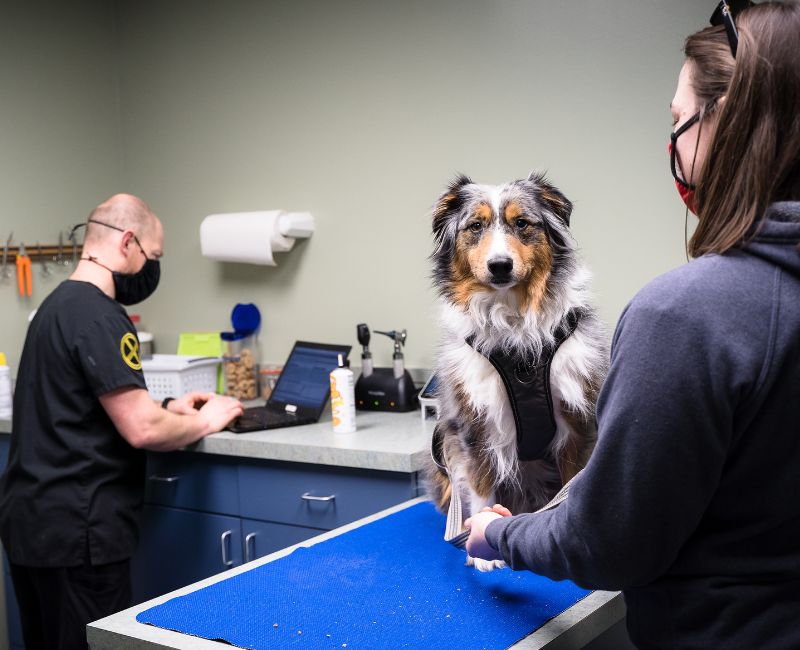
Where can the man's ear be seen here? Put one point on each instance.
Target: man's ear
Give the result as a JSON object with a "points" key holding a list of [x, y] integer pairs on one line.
{"points": [[126, 242]]}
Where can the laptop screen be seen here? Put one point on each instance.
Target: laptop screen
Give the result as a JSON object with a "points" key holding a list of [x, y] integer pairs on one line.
{"points": [[305, 378]]}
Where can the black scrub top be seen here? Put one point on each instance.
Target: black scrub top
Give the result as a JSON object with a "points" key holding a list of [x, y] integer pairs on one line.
{"points": [[73, 488]]}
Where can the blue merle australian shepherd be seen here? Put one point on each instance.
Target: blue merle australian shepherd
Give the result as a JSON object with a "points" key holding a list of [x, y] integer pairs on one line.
{"points": [[522, 353]]}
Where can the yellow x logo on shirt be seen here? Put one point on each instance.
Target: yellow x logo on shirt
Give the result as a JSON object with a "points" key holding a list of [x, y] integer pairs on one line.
{"points": [[129, 348]]}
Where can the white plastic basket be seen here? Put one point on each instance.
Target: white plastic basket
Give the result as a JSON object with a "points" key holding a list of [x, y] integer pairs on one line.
{"points": [[173, 375]]}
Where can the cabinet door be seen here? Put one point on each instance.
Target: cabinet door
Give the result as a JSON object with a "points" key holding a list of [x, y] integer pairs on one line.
{"points": [[12, 611], [260, 538], [178, 547]]}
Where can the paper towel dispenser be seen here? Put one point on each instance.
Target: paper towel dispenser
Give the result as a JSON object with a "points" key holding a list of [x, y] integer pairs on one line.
{"points": [[252, 237]]}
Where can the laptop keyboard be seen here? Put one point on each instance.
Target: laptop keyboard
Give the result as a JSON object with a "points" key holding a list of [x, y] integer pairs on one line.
{"points": [[258, 418]]}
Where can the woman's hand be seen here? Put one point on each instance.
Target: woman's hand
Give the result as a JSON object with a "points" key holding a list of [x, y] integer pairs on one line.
{"points": [[477, 546]]}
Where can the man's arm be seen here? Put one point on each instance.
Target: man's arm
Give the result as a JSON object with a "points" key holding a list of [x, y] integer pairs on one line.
{"points": [[145, 425]]}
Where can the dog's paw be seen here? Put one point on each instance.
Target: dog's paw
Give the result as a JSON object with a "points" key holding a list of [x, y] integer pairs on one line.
{"points": [[485, 566]]}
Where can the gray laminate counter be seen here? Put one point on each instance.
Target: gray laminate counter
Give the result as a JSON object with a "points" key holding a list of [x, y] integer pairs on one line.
{"points": [[574, 628], [395, 442]]}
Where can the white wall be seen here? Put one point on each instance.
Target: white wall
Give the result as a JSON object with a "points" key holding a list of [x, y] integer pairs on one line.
{"points": [[360, 112]]}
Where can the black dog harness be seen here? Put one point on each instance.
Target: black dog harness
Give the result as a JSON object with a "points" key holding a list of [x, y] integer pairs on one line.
{"points": [[527, 384]]}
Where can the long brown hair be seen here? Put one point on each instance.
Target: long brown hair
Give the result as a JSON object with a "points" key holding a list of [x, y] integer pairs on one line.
{"points": [[753, 158]]}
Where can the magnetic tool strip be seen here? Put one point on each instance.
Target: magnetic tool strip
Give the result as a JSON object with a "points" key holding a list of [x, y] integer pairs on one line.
{"points": [[390, 583]]}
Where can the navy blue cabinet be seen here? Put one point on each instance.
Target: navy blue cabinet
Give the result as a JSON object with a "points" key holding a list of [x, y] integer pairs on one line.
{"points": [[205, 513], [12, 611], [178, 547]]}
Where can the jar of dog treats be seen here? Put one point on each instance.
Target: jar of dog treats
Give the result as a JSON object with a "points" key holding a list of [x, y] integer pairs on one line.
{"points": [[240, 353], [240, 365]]}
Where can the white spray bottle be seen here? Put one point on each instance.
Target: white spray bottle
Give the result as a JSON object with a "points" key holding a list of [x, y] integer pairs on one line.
{"points": [[343, 398], [5, 389]]}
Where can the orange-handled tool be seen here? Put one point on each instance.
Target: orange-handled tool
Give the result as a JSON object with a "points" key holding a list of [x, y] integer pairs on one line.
{"points": [[24, 281]]}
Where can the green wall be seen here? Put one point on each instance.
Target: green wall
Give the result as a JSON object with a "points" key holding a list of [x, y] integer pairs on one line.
{"points": [[359, 112], [60, 147]]}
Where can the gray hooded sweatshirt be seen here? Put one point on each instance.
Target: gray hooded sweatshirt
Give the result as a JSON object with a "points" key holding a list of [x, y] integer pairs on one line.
{"points": [[690, 503]]}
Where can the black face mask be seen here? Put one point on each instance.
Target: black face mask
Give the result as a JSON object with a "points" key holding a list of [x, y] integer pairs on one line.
{"points": [[132, 288]]}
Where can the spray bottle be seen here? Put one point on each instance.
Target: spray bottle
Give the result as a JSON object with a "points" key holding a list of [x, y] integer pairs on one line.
{"points": [[343, 398], [5, 389]]}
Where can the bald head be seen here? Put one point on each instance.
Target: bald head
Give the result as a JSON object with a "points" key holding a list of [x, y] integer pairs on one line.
{"points": [[123, 211]]}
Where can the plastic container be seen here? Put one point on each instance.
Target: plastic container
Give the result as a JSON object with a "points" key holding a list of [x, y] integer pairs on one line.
{"points": [[173, 375], [5, 389], [343, 398], [240, 365], [240, 352], [267, 378], [146, 347]]}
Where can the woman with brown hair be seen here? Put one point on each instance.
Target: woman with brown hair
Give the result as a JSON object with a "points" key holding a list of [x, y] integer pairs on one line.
{"points": [[689, 502]]}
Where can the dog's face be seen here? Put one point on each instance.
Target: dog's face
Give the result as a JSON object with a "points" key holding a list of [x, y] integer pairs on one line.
{"points": [[497, 237]]}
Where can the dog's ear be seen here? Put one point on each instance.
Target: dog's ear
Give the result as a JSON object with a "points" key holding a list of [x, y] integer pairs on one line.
{"points": [[448, 202], [559, 204]]}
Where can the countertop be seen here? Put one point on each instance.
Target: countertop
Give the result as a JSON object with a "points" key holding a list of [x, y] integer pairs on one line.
{"points": [[572, 629], [395, 442]]}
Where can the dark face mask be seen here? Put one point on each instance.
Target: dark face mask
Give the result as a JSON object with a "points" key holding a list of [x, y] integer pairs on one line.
{"points": [[133, 288]]}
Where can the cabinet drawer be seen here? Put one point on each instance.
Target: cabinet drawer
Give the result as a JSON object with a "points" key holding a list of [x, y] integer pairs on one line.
{"points": [[318, 496], [195, 481]]}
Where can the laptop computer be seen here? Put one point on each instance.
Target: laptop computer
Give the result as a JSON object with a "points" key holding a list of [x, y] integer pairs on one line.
{"points": [[301, 391]]}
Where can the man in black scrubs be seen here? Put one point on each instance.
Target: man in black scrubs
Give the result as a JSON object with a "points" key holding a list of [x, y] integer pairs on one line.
{"points": [[71, 494]]}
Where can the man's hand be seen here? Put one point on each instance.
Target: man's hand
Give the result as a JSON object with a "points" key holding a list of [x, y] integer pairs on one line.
{"points": [[189, 404], [219, 410], [477, 546]]}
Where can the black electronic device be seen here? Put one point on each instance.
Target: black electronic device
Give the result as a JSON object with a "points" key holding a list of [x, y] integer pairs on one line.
{"points": [[384, 389], [302, 390]]}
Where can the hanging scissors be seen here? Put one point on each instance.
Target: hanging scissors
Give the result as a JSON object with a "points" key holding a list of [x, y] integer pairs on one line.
{"points": [[24, 282]]}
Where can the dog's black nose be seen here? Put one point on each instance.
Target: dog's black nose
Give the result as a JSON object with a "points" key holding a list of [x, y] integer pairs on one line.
{"points": [[501, 267]]}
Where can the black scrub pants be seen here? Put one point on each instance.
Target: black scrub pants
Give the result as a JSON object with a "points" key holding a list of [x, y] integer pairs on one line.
{"points": [[56, 604]]}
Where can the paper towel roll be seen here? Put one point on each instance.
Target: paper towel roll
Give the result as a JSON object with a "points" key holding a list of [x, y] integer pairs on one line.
{"points": [[251, 237]]}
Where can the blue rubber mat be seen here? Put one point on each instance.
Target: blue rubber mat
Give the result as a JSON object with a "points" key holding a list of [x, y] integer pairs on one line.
{"points": [[393, 583]]}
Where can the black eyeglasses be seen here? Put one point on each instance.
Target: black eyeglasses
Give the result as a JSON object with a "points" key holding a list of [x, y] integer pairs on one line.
{"points": [[676, 172], [724, 14], [107, 225]]}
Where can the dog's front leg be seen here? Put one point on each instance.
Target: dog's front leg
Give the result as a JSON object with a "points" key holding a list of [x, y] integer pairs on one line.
{"points": [[476, 504]]}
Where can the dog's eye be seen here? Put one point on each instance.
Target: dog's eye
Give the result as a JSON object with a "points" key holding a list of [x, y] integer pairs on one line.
{"points": [[521, 224], [475, 226]]}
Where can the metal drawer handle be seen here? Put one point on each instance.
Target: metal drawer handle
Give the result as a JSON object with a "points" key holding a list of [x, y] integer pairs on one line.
{"points": [[163, 479], [309, 497], [225, 542], [250, 537]]}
